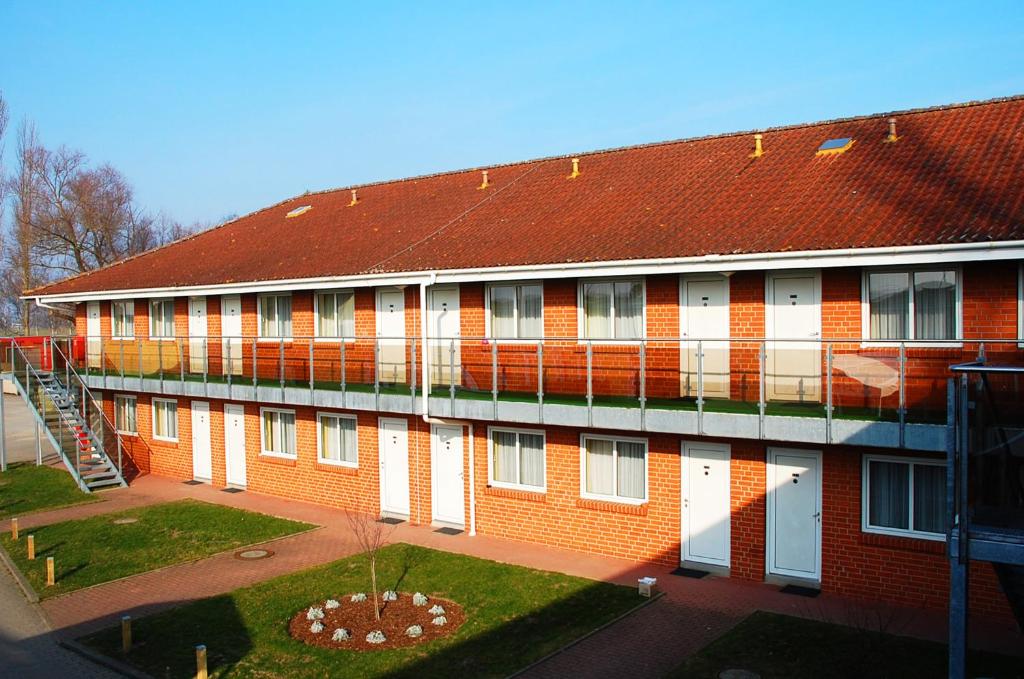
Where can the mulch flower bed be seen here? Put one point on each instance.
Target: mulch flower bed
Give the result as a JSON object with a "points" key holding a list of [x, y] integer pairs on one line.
{"points": [[395, 618]]}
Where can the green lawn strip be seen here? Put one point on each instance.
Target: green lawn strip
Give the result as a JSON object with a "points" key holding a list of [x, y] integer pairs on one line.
{"points": [[26, 488], [514, 616], [774, 645], [95, 550]]}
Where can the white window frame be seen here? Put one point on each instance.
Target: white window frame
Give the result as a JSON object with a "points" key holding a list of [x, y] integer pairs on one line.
{"points": [[618, 499], [264, 451], [865, 306], [581, 321], [128, 304], [316, 315], [865, 496], [259, 317], [1020, 305], [135, 407], [491, 481], [152, 326], [488, 332], [320, 445], [155, 417]]}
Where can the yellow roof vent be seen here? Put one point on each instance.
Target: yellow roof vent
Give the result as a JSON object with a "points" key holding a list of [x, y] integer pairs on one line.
{"points": [[355, 199], [833, 147], [758, 149], [575, 169], [892, 136], [298, 211], [484, 183]]}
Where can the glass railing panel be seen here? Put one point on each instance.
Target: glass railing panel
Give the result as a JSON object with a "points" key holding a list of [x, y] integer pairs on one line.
{"points": [[996, 450], [866, 382]]}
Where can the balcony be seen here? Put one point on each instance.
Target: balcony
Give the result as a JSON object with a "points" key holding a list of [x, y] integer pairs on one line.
{"points": [[821, 392]]}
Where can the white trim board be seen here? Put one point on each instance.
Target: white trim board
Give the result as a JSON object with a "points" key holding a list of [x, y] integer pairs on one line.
{"points": [[884, 256]]}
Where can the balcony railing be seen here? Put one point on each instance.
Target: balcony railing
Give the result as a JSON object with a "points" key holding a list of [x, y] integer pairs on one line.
{"points": [[831, 380]]}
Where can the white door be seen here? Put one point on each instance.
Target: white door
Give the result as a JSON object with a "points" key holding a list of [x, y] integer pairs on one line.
{"points": [[93, 334], [706, 514], [445, 364], [231, 333], [394, 466], [197, 348], [234, 444], [705, 314], [793, 370], [391, 331], [448, 488], [794, 513], [202, 454]]}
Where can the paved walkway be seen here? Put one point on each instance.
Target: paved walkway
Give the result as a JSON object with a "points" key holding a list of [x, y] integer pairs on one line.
{"points": [[692, 613]]}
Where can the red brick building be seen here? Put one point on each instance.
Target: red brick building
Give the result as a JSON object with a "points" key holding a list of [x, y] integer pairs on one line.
{"points": [[729, 352]]}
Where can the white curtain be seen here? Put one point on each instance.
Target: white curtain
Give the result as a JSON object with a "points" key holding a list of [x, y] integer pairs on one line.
{"points": [[629, 302], [531, 302], [889, 299], [503, 465], [330, 443], [929, 498], [284, 316], [268, 317], [287, 433], [346, 303], [597, 310], [328, 315], [600, 467], [889, 500], [531, 460], [503, 311], [166, 419], [935, 305], [630, 469]]}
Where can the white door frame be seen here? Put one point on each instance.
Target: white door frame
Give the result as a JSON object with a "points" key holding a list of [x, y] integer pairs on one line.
{"points": [[378, 320], [685, 509], [383, 470], [772, 453], [201, 405], [232, 409], [198, 348], [813, 342], [433, 473], [684, 324], [439, 374], [93, 334]]}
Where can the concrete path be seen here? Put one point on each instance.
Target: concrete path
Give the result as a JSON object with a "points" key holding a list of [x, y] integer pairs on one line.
{"points": [[692, 612]]}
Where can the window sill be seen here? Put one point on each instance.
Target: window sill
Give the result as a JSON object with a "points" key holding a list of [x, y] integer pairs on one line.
{"points": [[910, 344], [907, 543], [638, 508], [332, 340], [164, 439], [335, 468], [516, 493], [133, 434], [126, 338], [277, 458], [337, 463]]}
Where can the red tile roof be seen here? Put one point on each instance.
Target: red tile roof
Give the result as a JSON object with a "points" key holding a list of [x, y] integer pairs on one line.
{"points": [[954, 176]]}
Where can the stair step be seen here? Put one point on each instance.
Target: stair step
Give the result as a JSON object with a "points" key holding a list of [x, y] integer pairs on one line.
{"points": [[108, 482]]}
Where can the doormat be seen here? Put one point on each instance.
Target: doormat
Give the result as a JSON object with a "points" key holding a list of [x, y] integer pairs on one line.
{"points": [[392, 521], [690, 573], [808, 592], [233, 490], [193, 482], [448, 531]]}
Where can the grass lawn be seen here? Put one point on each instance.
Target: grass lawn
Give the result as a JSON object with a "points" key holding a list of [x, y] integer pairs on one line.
{"points": [[94, 550], [26, 488], [514, 616], [783, 646]]}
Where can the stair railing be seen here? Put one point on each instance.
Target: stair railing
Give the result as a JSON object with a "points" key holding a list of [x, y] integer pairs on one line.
{"points": [[92, 412]]}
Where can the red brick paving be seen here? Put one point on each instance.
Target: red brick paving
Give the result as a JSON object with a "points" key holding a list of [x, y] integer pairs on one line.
{"points": [[647, 643]]}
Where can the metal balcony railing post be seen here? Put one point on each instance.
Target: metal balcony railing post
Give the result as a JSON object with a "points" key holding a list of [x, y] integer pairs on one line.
{"points": [[494, 380], [451, 376], [412, 380], [341, 351], [376, 372], [139, 352], [181, 357], [828, 393], [103, 360], [643, 385], [255, 379], [280, 365], [160, 360], [762, 358], [121, 345], [206, 368], [700, 386], [590, 383], [901, 410], [120, 444], [312, 371], [540, 382]]}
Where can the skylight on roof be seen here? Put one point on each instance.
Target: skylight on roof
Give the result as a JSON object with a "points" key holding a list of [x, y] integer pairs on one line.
{"points": [[298, 211], [834, 146]]}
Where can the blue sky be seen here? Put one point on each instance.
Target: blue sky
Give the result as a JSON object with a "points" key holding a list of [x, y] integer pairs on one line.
{"points": [[219, 108]]}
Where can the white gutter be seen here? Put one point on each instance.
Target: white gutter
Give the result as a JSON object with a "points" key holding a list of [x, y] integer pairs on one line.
{"points": [[886, 256], [44, 305]]}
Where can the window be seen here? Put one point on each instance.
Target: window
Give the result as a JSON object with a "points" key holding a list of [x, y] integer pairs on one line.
{"points": [[614, 469], [516, 459], [904, 496], [336, 314], [122, 319], [124, 414], [337, 439], [516, 311], [278, 432], [165, 419], [913, 305], [612, 309], [161, 318], [275, 316]]}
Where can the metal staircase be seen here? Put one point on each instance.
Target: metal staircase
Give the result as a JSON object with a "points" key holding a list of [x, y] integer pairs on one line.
{"points": [[71, 419]]}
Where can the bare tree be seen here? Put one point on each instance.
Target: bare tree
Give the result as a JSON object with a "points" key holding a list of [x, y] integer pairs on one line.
{"points": [[21, 271], [370, 535]]}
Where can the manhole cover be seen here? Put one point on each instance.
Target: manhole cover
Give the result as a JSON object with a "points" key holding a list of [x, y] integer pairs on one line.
{"points": [[253, 554], [125, 520]]}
